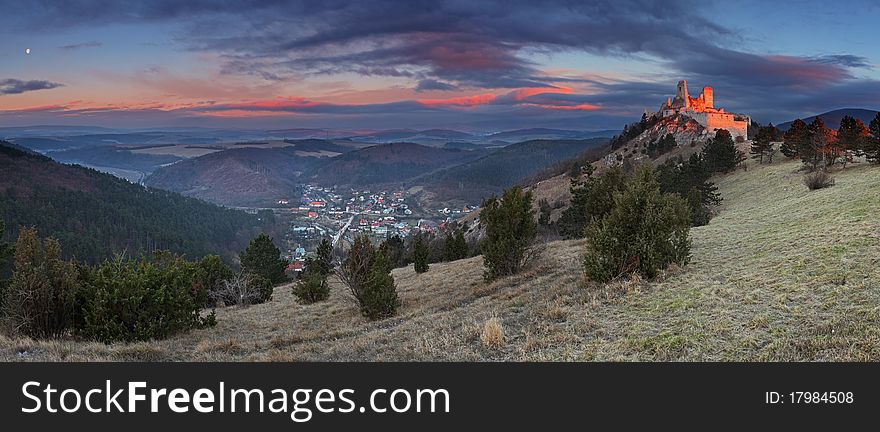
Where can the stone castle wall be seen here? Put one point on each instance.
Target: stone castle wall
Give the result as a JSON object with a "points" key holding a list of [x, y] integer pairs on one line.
{"points": [[736, 124]]}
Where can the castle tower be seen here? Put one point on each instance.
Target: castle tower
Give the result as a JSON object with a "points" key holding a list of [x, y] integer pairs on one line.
{"points": [[708, 97], [681, 93]]}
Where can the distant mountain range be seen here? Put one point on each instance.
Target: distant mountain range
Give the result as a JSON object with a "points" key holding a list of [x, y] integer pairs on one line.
{"points": [[832, 118], [253, 176]]}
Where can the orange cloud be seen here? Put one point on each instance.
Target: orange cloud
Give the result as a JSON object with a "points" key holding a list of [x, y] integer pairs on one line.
{"points": [[526, 92]]}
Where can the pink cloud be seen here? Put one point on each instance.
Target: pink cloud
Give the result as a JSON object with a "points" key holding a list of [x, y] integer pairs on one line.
{"points": [[464, 101]]}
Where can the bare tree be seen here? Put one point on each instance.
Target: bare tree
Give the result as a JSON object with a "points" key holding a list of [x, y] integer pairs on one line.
{"points": [[242, 289]]}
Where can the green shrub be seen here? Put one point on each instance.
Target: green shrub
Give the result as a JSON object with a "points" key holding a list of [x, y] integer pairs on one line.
{"points": [[6, 250], [138, 300], [591, 199], [379, 295], [818, 180], [367, 274], [312, 286], [395, 249], [40, 299], [645, 232], [455, 246], [210, 272], [262, 289], [420, 254], [263, 258], [690, 180], [510, 231]]}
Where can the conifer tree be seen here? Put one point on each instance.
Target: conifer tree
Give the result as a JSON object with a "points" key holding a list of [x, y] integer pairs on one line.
{"points": [[312, 285], [762, 145], [689, 179], [324, 258], [395, 249], [380, 294], [367, 273], [872, 144], [6, 250], [591, 198], [420, 254], [40, 299], [815, 150], [645, 232], [455, 246], [263, 258], [852, 137], [794, 139], [545, 212], [510, 231], [720, 154]]}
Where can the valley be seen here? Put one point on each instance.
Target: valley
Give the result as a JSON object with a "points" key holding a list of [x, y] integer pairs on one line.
{"points": [[754, 291]]}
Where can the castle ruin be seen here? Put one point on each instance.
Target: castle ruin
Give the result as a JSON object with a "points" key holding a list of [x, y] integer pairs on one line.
{"points": [[703, 111]]}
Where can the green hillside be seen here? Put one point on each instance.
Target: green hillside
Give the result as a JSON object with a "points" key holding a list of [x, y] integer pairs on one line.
{"points": [[781, 273], [96, 215]]}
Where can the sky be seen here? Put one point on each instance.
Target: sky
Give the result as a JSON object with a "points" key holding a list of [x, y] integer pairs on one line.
{"points": [[474, 65]]}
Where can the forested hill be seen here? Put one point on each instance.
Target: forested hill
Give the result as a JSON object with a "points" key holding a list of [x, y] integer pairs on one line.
{"points": [[96, 215]]}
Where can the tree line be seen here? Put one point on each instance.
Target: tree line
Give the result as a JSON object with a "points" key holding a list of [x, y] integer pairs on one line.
{"points": [[125, 298], [819, 147]]}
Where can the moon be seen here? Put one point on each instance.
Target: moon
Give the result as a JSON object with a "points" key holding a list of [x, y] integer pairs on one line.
{"points": [[27, 50]]}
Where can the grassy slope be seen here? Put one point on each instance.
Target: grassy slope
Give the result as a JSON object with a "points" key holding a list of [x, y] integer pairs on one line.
{"points": [[780, 274]]}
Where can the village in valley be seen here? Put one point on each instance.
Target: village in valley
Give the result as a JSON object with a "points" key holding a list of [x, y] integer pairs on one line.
{"points": [[325, 212]]}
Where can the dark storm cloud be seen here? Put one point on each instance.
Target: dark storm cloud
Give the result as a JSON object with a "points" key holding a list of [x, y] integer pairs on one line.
{"points": [[464, 43], [15, 86], [488, 44]]}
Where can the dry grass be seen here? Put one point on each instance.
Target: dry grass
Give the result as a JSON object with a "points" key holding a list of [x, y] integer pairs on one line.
{"points": [[781, 274], [492, 334]]}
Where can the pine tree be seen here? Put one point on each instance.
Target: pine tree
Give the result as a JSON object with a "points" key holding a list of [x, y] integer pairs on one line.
{"points": [[794, 139], [420, 254], [312, 285], [455, 246], [40, 299], [510, 231], [762, 145], [367, 273], [590, 199], [263, 258], [852, 137], [324, 259], [816, 149], [380, 294], [690, 180], [720, 154], [6, 250], [395, 249], [645, 232], [355, 269], [872, 144], [545, 212]]}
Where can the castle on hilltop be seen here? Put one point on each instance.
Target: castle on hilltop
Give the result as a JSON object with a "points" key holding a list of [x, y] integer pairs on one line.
{"points": [[703, 111]]}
